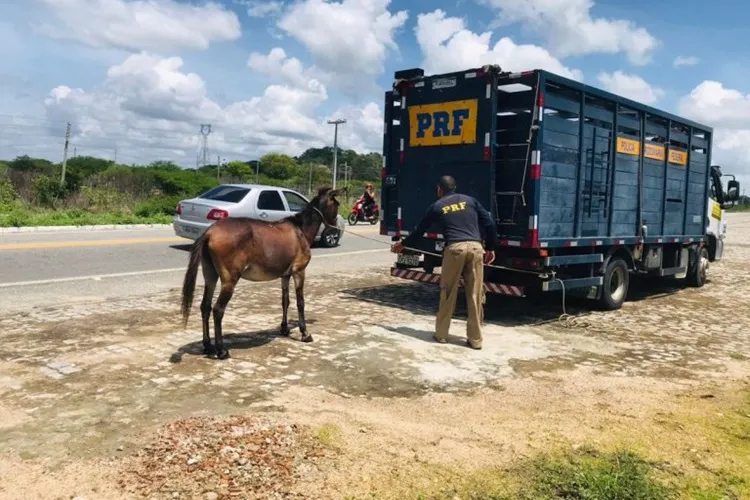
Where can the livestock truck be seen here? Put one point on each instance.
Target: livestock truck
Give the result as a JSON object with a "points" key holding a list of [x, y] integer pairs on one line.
{"points": [[586, 187]]}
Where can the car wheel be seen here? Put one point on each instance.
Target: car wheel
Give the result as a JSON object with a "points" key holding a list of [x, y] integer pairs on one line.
{"points": [[329, 238]]}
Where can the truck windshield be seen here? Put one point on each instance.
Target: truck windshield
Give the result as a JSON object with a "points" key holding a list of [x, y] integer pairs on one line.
{"points": [[231, 194]]}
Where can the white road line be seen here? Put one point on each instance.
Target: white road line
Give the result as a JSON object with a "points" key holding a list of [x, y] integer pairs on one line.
{"points": [[98, 277]]}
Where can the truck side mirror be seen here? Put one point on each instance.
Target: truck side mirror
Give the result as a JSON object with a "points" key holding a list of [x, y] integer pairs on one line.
{"points": [[733, 190]]}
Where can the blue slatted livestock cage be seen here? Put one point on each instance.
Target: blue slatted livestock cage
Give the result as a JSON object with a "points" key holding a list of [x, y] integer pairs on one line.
{"points": [[585, 186]]}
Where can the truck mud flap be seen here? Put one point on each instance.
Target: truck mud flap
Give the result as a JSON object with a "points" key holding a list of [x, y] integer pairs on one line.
{"points": [[434, 278]]}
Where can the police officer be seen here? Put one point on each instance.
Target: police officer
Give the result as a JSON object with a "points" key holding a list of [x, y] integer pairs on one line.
{"points": [[460, 218]]}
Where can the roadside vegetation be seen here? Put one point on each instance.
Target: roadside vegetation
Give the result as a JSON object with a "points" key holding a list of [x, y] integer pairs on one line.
{"points": [[99, 191], [699, 452]]}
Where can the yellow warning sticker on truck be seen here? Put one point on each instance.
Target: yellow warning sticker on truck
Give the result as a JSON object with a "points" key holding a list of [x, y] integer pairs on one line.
{"points": [[628, 146], [444, 123], [715, 210], [654, 152], [678, 157]]}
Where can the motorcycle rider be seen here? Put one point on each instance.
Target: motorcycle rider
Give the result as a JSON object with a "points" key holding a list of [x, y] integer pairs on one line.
{"points": [[368, 198]]}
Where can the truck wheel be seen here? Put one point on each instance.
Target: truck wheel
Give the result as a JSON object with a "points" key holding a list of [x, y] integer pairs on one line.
{"points": [[615, 284], [697, 273]]}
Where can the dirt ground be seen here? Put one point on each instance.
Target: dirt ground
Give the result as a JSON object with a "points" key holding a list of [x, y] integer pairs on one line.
{"points": [[87, 389]]}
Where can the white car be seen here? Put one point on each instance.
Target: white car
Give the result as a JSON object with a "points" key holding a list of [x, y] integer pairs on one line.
{"points": [[260, 202]]}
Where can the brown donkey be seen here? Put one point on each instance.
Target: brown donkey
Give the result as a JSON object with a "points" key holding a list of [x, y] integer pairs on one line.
{"points": [[255, 250]]}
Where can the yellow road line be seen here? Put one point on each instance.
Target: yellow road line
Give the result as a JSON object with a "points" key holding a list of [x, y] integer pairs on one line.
{"points": [[90, 243]]}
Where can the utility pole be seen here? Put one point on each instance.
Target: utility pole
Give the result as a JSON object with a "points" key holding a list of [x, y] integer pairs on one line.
{"points": [[257, 170], [309, 186], [218, 167], [114, 162], [335, 124], [65, 154]]}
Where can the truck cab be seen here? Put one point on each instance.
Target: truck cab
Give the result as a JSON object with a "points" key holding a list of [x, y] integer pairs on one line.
{"points": [[718, 201]]}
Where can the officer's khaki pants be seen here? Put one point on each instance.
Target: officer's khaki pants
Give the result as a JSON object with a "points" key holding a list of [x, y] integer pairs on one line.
{"points": [[462, 259]]}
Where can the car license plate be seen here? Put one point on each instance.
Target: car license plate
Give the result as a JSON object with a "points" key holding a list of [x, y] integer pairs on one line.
{"points": [[439, 246], [190, 229], [408, 260]]}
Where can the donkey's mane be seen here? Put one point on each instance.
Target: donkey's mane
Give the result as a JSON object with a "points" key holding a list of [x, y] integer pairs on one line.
{"points": [[307, 214]]}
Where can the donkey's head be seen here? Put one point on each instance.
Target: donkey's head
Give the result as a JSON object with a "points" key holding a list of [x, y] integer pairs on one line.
{"points": [[327, 204]]}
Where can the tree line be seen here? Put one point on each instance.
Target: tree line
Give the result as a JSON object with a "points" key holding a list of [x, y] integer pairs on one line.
{"points": [[96, 184]]}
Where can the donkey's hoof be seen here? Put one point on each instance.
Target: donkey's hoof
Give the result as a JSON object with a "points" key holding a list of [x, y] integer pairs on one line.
{"points": [[222, 354], [209, 349], [307, 338], [285, 331]]}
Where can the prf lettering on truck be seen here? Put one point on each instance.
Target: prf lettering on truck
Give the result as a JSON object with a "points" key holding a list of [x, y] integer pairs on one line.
{"points": [[444, 123]]}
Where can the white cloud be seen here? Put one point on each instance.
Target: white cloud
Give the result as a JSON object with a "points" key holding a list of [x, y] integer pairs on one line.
{"points": [[140, 24], [728, 111], [448, 46], [263, 9], [570, 29], [348, 38], [149, 108], [631, 86], [681, 61], [276, 65]]}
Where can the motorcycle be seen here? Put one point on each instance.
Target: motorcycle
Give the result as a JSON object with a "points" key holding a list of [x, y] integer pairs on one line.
{"points": [[358, 213]]}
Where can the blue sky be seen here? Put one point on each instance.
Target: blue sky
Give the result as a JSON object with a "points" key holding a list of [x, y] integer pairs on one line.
{"points": [[107, 64]]}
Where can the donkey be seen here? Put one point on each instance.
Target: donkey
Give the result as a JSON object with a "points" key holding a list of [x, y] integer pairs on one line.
{"points": [[255, 250]]}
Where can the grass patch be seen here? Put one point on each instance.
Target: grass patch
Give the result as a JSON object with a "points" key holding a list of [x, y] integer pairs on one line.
{"points": [[697, 450], [590, 474], [19, 216], [329, 435]]}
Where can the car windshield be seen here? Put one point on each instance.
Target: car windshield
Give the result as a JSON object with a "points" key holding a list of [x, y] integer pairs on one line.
{"points": [[232, 194]]}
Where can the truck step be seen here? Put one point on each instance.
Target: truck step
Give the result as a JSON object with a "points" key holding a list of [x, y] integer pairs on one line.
{"points": [[434, 279], [671, 271]]}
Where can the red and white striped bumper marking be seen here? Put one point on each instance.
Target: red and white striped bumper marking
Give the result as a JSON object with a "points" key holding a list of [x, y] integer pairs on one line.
{"points": [[422, 277]]}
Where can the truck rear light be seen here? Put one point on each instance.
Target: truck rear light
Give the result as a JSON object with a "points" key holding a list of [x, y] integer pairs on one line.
{"points": [[536, 171], [217, 214], [486, 153], [532, 238], [401, 157], [179, 209], [540, 99]]}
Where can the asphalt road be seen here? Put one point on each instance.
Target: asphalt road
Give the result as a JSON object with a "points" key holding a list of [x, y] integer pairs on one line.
{"points": [[39, 269]]}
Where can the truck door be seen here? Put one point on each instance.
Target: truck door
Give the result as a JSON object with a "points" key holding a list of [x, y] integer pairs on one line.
{"points": [[445, 125]]}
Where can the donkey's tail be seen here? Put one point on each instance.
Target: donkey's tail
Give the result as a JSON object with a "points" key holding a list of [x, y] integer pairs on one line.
{"points": [[188, 283]]}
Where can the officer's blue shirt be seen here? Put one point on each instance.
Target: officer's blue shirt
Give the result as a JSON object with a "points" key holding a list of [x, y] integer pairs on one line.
{"points": [[460, 218]]}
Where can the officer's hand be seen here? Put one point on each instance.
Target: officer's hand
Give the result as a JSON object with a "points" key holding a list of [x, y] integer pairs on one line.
{"points": [[489, 257], [397, 247]]}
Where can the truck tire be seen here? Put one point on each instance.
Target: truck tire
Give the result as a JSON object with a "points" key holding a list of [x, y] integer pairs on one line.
{"points": [[697, 272], [615, 284]]}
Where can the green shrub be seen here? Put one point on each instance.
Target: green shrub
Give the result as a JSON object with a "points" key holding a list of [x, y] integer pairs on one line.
{"points": [[8, 195], [163, 205], [48, 190]]}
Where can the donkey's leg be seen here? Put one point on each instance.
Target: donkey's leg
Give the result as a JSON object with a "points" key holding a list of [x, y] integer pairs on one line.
{"points": [[210, 277], [299, 285], [284, 304], [227, 289]]}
